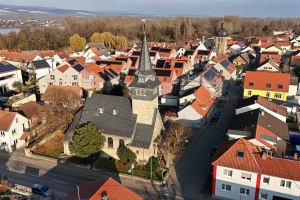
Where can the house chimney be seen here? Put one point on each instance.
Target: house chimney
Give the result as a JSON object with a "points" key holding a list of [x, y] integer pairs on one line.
{"points": [[90, 93], [295, 156]]}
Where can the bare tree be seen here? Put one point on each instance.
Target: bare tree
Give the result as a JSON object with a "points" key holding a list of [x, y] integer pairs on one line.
{"points": [[174, 137]]}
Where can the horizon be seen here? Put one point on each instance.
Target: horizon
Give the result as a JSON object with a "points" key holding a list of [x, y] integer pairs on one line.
{"points": [[196, 8]]}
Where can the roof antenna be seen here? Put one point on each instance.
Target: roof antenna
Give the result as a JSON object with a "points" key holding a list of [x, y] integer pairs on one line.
{"points": [[78, 194]]}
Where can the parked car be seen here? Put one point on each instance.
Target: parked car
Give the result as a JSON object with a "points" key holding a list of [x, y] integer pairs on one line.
{"points": [[213, 151], [42, 190], [214, 119]]}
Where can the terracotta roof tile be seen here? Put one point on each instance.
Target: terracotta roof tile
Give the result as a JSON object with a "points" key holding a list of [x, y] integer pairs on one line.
{"points": [[63, 68], [49, 53], [29, 109], [6, 119], [204, 101], [96, 190], [261, 78]]}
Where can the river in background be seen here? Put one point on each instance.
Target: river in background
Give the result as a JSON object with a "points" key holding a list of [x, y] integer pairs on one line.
{"points": [[7, 30]]}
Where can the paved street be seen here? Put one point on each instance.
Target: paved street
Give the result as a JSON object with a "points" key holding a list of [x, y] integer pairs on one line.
{"points": [[63, 178], [191, 174]]}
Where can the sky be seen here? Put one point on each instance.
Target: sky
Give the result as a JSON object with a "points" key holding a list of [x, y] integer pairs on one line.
{"points": [[244, 8]]}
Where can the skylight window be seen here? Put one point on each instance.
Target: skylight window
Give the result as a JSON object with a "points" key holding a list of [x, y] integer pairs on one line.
{"points": [[240, 154]]}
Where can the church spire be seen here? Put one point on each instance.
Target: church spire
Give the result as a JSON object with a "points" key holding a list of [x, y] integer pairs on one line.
{"points": [[144, 67]]}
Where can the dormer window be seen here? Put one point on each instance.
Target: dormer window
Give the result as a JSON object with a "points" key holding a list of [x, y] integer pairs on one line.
{"points": [[101, 110], [115, 112], [240, 154]]}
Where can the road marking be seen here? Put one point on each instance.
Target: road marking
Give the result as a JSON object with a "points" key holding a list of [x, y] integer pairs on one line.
{"points": [[58, 181]]}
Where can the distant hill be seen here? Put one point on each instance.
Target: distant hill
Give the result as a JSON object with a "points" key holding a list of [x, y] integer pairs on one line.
{"points": [[28, 12]]}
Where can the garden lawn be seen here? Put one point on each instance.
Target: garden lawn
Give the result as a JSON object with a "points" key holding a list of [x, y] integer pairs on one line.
{"points": [[52, 148], [117, 167]]}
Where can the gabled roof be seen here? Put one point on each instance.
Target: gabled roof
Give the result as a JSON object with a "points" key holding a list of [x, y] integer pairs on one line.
{"points": [[96, 190], [227, 65], [29, 109], [203, 102], [63, 68], [40, 64], [76, 60], [269, 60], [253, 161], [263, 102], [247, 121], [6, 119], [48, 53], [6, 67], [268, 55], [226, 155], [261, 78], [212, 76], [20, 57]]}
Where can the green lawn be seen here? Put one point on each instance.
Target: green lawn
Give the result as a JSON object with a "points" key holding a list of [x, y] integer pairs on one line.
{"points": [[114, 166]]}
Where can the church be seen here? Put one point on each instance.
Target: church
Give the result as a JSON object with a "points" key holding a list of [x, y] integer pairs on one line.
{"points": [[133, 122]]}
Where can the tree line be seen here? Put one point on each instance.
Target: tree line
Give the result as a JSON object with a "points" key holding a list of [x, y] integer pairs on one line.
{"points": [[129, 28]]}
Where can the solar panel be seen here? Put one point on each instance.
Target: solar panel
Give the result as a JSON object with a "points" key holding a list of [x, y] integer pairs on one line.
{"points": [[7, 68], [108, 74], [160, 63], [165, 50], [152, 53], [104, 76], [72, 62], [155, 49], [78, 68], [210, 74], [39, 64], [225, 63], [178, 65], [136, 53], [108, 62], [203, 52], [160, 72], [133, 59], [131, 72], [113, 72], [167, 65], [122, 59], [187, 53]]}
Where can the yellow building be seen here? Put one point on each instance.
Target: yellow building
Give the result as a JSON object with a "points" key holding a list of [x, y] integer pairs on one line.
{"points": [[273, 85]]}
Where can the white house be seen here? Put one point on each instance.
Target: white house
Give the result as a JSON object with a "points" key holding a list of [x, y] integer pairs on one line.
{"points": [[13, 126], [268, 65], [197, 112], [242, 170], [8, 75], [39, 67], [227, 70]]}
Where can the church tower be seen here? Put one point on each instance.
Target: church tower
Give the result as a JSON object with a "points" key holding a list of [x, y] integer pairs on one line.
{"points": [[145, 88], [221, 40]]}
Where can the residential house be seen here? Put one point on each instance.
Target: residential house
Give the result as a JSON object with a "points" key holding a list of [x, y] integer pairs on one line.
{"points": [[293, 87], [213, 81], [268, 65], [258, 102], [39, 68], [134, 122], [190, 56], [198, 109], [154, 55], [104, 189], [203, 56], [242, 170], [167, 53], [243, 59], [12, 128], [260, 128], [8, 75], [125, 51], [272, 48], [270, 55], [227, 70], [272, 85], [65, 75], [21, 60]]}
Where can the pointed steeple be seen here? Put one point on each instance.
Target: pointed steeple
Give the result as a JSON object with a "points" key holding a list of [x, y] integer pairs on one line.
{"points": [[144, 67]]}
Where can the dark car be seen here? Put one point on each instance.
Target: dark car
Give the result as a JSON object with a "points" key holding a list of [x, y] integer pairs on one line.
{"points": [[213, 151], [42, 190], [217, 114], [214, 119]]}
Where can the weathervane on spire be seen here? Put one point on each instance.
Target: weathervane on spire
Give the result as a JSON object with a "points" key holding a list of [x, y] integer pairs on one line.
{"points": [[144, 26]]}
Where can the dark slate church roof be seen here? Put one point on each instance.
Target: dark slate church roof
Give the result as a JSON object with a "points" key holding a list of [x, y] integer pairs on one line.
{"points": [[122, 124]]}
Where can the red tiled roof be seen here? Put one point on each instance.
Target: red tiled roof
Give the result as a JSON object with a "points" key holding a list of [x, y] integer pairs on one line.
{"points": [[6, 119], [266, 44], [49, 53], [226, 155], [80, 60], [29, 109], [96, 190], [253, 160], [204, 101], [274, 57], [63, 68], [261, 78], [17, 56]]}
